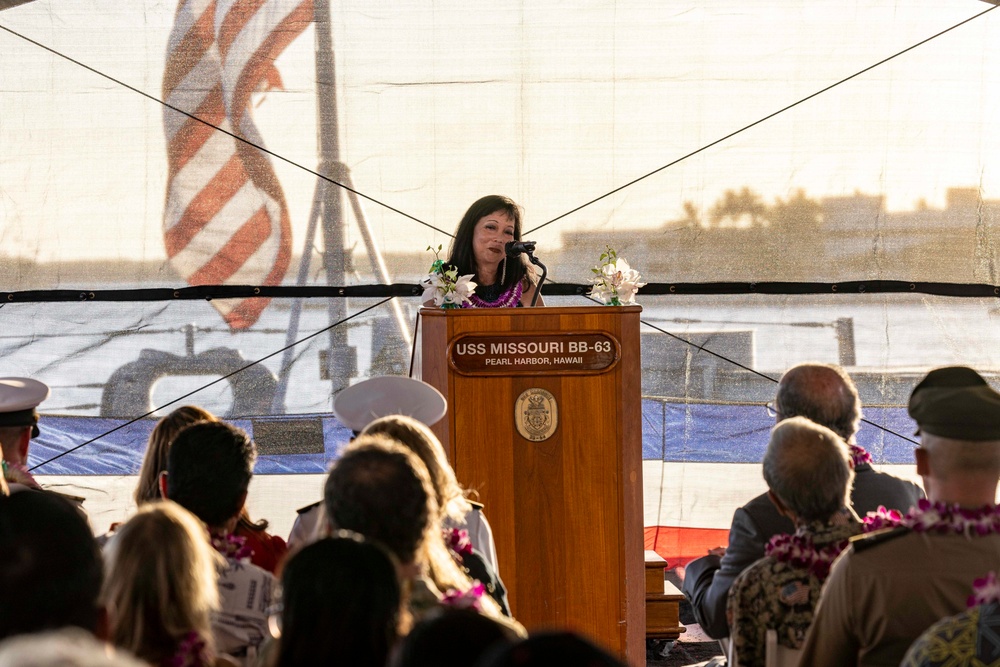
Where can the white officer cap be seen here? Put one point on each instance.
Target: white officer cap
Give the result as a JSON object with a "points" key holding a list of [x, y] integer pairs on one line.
{"points": [[360, 404], [18, 399]]}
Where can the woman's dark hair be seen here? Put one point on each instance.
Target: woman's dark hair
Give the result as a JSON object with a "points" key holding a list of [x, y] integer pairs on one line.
{"points": [[451, 637], [460, 253], [341, 604], [209, 468], [550, 648], [382, 490]]}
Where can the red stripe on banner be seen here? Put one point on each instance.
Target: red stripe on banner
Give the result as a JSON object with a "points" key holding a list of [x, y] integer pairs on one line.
{"points": [[190, 50], [240, 246], [193, 134], [235, 19], [249, 310], [680, 546], [260, 66], [211, 199]]}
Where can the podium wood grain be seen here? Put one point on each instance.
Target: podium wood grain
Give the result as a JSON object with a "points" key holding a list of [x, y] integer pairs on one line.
{"points": [[566, 512]]}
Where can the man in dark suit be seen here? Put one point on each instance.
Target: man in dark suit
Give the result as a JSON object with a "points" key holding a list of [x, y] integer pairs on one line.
{"points": [[825, 394]]}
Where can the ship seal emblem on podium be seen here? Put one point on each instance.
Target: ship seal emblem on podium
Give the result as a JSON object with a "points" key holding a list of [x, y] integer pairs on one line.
{"points": [[536, 414]]}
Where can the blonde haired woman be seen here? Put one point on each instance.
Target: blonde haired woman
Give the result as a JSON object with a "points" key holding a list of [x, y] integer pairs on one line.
{"points": [[160, 587], [267, 550], [457, 512]]}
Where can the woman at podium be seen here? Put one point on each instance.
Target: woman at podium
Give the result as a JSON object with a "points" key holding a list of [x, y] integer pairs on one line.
{"points": [[479, 249]]}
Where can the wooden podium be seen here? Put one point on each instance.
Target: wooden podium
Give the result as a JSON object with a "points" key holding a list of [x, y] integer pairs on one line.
{"points": [[544, 421]]}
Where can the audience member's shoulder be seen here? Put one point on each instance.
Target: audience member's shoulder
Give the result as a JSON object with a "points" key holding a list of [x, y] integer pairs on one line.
{"points": [[877, 540], [761, 503], [309, 508]]}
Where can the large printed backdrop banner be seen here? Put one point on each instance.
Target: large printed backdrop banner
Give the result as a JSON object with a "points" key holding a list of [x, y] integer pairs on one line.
{"points": [[758, 140]]}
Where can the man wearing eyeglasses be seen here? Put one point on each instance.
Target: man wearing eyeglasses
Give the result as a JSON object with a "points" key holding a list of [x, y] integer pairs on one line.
{"points": [[826, 395]]}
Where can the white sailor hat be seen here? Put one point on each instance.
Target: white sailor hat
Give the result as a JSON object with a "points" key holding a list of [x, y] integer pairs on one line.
{"points": [[360, 404], [18, 399]]}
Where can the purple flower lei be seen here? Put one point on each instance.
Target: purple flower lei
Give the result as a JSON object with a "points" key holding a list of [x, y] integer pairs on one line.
{"points": [[470, 599], [985, 590], [458, 541], [939, 517], [508, 299], [800, 551], [191, 652], [232, 546], [859, 455]]}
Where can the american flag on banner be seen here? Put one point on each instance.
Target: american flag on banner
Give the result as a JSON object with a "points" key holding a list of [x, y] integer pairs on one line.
{"points": [[226, 221]]}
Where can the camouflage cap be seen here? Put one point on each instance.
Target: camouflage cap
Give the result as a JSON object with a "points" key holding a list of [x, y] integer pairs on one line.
{"points": [[956, 402]]}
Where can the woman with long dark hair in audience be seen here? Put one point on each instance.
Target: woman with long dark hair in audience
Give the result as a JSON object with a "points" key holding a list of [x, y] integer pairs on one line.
{"points": [[160, 587], [341, 605], [267, 550]]}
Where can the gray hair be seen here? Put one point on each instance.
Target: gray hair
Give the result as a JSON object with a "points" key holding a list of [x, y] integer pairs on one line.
{"points": [[823, 393], [808, 467]]}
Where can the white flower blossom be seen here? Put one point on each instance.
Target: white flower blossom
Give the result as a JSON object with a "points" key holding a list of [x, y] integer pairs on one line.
{"points": [[616, 280], [447, 290]]}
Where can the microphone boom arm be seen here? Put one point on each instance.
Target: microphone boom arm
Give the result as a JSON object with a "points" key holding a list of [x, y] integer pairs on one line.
{"points": [[538, 287]]}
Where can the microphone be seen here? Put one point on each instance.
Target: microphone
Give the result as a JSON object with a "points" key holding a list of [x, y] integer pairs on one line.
{"points": [[515, 248]]}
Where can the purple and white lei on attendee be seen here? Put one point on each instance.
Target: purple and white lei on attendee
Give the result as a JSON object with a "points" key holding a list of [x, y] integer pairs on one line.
{"points": [[191, 652], [470, 599], [458, 542], [985, 590], [939, 517], [232, 547], [798, 550], [859, 455]]}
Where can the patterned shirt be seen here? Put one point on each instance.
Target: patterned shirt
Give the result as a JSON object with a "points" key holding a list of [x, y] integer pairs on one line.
{"points": [[969, 639], [771, 594]]}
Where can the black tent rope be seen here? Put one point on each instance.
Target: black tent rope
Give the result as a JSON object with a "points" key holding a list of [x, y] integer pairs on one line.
{"points": [[213, 382], [219, 129], [759, 121]]}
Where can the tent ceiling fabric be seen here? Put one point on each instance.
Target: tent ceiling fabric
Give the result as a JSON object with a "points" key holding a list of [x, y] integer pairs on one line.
{"points": [[891, 175]]}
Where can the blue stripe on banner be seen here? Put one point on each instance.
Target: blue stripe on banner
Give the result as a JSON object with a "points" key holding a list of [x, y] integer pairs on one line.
{"points": [[671, 431], [121, 452], [678, 432]]}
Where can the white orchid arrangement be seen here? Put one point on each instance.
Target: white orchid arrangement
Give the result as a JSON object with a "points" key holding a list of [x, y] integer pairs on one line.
{"points": [[445, 286], [615, 283]]}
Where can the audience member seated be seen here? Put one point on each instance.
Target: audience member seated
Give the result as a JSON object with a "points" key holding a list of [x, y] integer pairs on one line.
{"points": [[451, 637], [357, 406], [808, 472], [466, 530], [160, 587], [969, 638], [341, 605], [891, 585], [69, 647], [267, 550], [545, 649], [209, 467], [824, 394], [19, 398], [50, 566], [381, 490]]}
